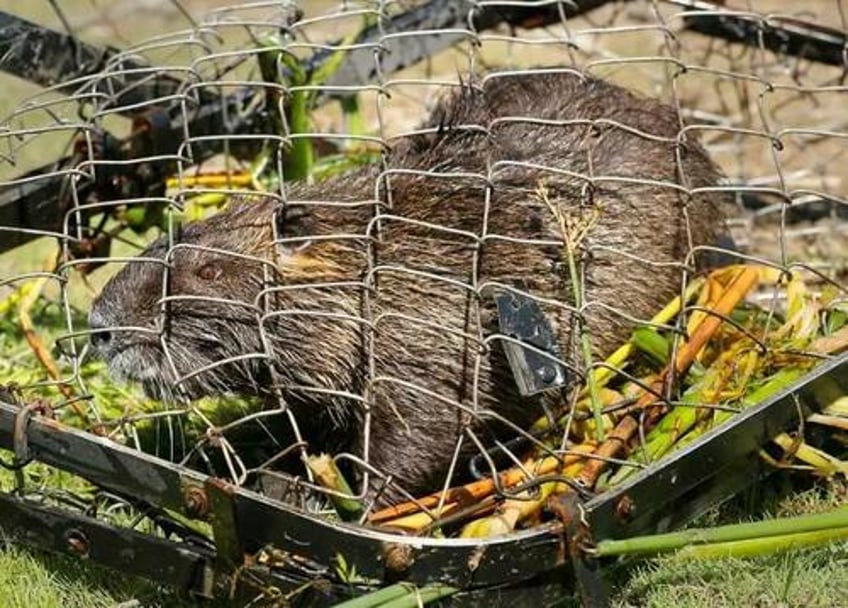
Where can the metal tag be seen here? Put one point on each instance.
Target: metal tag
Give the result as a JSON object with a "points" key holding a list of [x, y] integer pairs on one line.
{"points": [[521, 318]]}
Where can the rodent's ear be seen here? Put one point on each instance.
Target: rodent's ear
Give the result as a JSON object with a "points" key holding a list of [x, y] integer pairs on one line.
{"points": [[210, 271], [293, 227]]}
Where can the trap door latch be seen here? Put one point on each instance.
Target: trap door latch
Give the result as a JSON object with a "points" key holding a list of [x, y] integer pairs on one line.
{"points": [[531, 349]]}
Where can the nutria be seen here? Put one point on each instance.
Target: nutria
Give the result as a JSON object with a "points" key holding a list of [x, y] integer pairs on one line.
{"points": [[394, 314]]}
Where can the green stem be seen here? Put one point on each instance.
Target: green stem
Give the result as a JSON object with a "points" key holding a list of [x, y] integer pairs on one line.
{"points": [[662, 438], [586, 345], [422, 596], [301, 157], [660, 543], [328, 475], [401, 595], [376, 598], [763, 546], [353, 114]]}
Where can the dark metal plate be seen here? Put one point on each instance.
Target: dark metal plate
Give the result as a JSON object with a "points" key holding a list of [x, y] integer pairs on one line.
{"points": [[521, 318]]}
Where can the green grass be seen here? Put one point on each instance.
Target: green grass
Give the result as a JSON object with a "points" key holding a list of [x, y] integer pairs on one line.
{"points": [[31, 578], [38, 580], [809, 578], [815, 578]]}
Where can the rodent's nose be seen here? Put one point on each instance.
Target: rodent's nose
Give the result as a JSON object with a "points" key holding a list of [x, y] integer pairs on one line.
{"points": [[100, 339], [100, 336]]}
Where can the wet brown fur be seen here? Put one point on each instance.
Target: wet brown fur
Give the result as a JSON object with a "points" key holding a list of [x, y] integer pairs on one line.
{"points": [[426, 333]]}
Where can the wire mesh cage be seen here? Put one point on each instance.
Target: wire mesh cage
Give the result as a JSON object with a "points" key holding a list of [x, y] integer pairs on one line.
{"points": [[317, 296]]}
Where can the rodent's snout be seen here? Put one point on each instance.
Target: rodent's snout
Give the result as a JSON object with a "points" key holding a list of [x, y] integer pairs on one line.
{"points": [[120, 306], [101, 334]]}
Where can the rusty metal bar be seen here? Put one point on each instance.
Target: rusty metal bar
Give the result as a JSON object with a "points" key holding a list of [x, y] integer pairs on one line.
{"points": [[177, 565]]}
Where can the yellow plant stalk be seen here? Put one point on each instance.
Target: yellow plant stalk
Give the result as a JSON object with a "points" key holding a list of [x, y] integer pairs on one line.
{"points": [[825, 464], [514, 510], [741, 281], [837, 422], [476, 490], [239, 179], [25, 304], [618, 360], [422, 519], [328, 475], [838, 407], [744, 279], [603, 374], [682, 418], [832, 344], [584, 429], [802, 314], [710, 293]]}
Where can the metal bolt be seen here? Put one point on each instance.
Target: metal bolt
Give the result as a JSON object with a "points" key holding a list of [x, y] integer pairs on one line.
{"points": [[77, 542], [624, 508], [223, 586], [398, 557], [547, 373], [196, 503]]}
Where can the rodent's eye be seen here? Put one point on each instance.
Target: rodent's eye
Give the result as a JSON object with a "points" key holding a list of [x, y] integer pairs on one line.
{"points": [[293, 227], [210, 271]]}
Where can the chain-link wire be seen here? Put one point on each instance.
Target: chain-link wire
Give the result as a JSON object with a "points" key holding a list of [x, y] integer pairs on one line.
{"points": [[773, 122]]}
